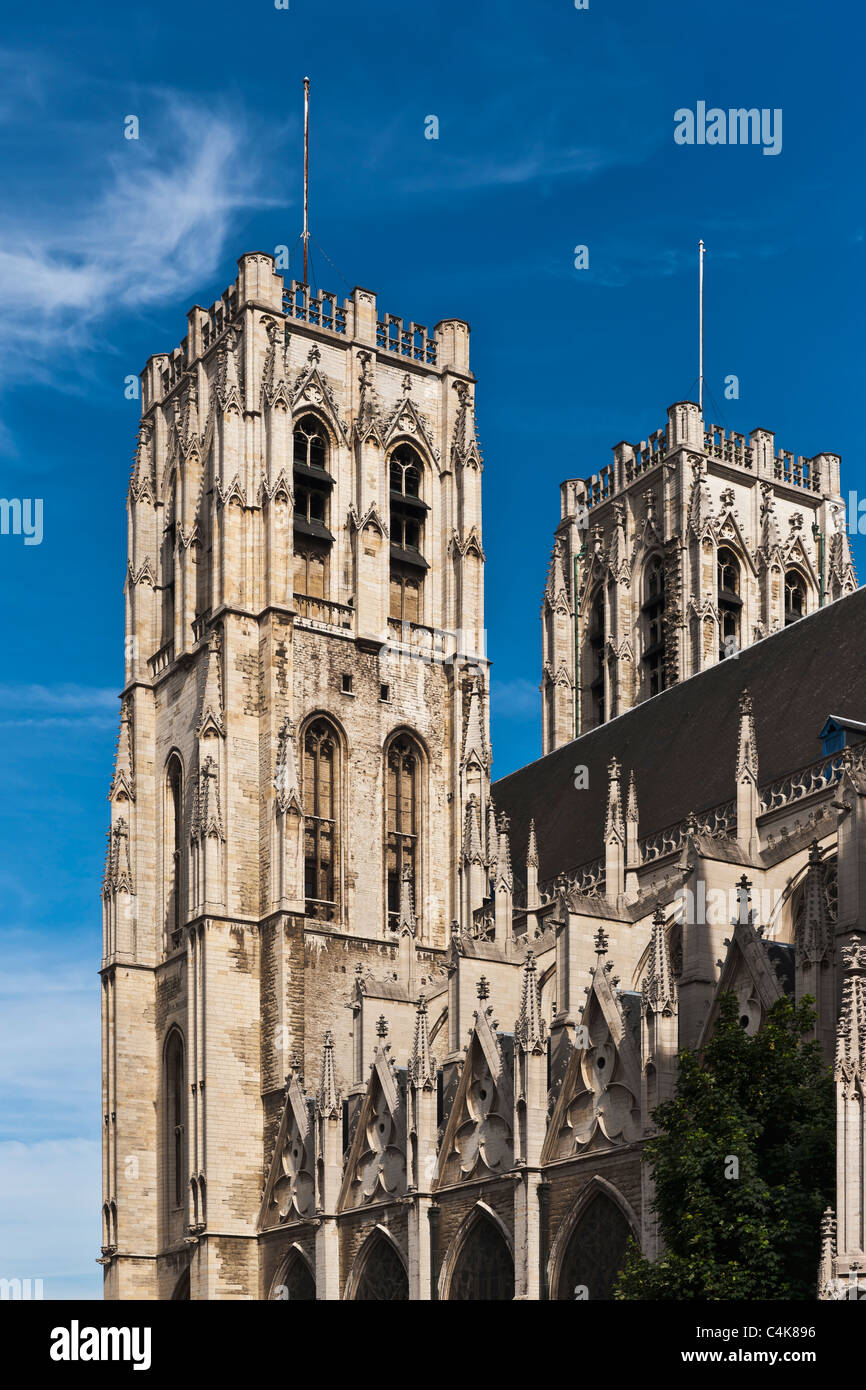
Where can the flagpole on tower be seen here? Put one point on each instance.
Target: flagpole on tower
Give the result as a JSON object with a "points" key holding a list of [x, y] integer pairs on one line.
{"points": [[306, 169], [701, 326]]}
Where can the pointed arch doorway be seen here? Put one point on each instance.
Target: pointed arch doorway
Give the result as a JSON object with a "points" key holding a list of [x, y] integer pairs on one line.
{"points": [[595, 1251]]}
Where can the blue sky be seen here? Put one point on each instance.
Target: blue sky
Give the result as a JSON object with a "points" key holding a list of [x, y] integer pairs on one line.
{"points": [[555, 130]]}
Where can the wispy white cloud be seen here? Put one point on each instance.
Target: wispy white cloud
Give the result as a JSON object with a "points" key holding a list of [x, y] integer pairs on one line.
{"points": [[50, 1200], [64, 697], [49, 1035], [63, 706], [535, 164], [149, 229]]}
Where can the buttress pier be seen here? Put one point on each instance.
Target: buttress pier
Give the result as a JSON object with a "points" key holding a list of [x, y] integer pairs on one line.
{"points": [[303, 733]]}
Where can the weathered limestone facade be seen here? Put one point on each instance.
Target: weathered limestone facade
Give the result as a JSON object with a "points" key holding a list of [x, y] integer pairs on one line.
{"points": [[683, 551], [351, 1050], [303, 735]]}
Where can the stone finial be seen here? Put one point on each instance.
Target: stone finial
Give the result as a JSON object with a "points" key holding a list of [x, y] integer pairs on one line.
{"points": [[556, 589], [744, 904], [659, 988], [700, 514], [614, 821], [483, 988], [206, 814], [747, 749], [504, 876], [532, 848], [828, 1254], [474, 742], [851, 1028], [529, 1028], [771, 538], [407, 920], [631, 809], [286, 770], [211, 717], [142, 481], [123, 781], [601, 942], [815, 931], [472, 849], [422, 1063], [492, 835], [327, 1096], [381, 1027]]}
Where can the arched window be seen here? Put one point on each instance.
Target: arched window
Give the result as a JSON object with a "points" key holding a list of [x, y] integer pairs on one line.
{"points": [[729, 601], [795, 597], [310, 443], [384, 1278], [652, 613], [297, 1284], [484, 1271], [175, 1126], [321, 795], [169, 542], [407, 514], [312, 486], [174, 848], [405, 472], [595, 1252], [403, 810], [596, 648]]}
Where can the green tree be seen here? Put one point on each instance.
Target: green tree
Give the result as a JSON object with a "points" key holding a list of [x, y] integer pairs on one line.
{"points": [[768, 1102]]}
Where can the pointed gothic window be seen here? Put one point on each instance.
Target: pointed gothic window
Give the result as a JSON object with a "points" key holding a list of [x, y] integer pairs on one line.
{"points": [[653, 616], [795, 597], [297, 1284], [174, 850], [484, 1271], [310, 443], [175, 1091], [312, 487], [169, 541], [383, 1279], [595, 1252], [402, 772], [596, 648], [407, 516], [730, 602], [321, 794]]}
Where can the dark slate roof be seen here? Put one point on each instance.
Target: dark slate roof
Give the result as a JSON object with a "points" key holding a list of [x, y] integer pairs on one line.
{"points": [[682, 744]]}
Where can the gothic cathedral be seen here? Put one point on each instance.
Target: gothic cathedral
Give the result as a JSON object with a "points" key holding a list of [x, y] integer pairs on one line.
{"points": [[372, 1027]]}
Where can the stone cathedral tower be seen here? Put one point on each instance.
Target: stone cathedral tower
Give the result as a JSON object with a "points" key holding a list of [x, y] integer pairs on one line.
{"points": [[682, 551], [303, 752]]}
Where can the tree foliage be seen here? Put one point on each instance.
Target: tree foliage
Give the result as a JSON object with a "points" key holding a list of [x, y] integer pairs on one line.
{"points": [[767, 1101]]}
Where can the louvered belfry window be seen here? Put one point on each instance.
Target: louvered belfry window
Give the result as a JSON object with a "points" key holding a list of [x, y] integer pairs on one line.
{"points": [[321, 829], [402, 773]]}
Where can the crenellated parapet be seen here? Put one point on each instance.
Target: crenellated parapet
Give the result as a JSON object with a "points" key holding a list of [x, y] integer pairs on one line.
{"points": [[686, 549]]}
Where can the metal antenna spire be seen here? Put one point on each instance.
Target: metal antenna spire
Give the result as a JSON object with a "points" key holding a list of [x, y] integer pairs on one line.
{"points": [[306, 170], [700, 325]]}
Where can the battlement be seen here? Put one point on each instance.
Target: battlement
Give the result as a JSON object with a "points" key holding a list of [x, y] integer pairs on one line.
{"points": [[354, 319], [753, 454]]}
